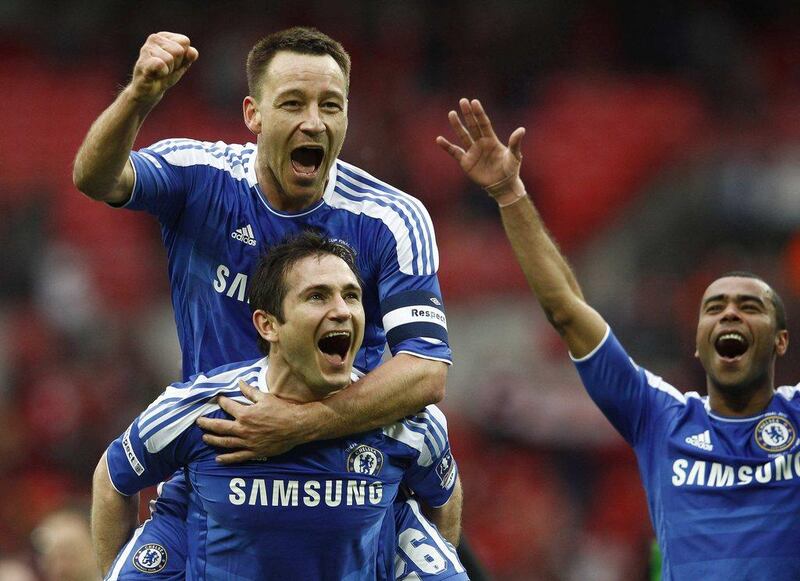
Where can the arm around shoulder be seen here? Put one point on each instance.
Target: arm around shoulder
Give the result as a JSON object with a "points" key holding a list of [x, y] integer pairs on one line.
{"points": [[401, 386]]}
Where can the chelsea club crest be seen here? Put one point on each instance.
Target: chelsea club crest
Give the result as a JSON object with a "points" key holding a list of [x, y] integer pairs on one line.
{"points": [[150, 558], [775, 434], [365, 459]]}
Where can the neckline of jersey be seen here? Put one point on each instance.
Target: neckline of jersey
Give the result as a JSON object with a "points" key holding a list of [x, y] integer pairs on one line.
{"points": [[331, 183]]}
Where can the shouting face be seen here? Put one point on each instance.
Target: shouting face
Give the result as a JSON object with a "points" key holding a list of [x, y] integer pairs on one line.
{"points": [[300, 118], [312, 350], [737, 334]]}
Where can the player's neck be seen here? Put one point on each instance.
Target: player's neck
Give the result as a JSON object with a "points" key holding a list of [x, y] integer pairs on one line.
{"points": [[276, 196], [285, 383], [740, 401]]}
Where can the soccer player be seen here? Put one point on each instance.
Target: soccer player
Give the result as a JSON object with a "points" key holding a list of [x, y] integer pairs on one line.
{"points": [[721, 472], [221, 205], [317, 511]]}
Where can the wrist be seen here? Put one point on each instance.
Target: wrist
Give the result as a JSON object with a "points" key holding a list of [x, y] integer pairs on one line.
{"points": [[312, 423], [142, 100], [507, 191]]}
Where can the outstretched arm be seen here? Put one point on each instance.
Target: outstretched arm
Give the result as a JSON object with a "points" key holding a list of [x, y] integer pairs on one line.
{"points": [[102, 169], [399, 387], [114, 516], [495, 167]]}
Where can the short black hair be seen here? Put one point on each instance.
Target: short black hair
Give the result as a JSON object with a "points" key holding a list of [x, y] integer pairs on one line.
{"points": [[268, 289], [299, 39], [777, 301]]}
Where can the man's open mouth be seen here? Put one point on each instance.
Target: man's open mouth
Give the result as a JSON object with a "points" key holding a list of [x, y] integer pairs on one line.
{"points": [[731, 345], [307, 159], [334, 345]]}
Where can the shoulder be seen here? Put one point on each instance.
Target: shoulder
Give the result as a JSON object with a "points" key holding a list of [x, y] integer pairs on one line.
{"points": [[425, 432], [232, 158], [177, 408], [399, 214], [790, 393]]}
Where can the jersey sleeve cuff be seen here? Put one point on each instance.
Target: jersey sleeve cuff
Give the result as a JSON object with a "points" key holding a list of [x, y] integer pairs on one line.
{"points": [[595, 350], [428, 357]]}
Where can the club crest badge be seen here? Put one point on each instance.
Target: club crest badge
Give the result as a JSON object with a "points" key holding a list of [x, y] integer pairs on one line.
{"points": [[775, 434], [150, 558], [365, 459], [446, 471]]}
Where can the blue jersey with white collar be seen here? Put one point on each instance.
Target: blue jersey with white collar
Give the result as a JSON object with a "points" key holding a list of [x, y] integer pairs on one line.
{"points": [[321, 511], [215, 222], [723, 493]]}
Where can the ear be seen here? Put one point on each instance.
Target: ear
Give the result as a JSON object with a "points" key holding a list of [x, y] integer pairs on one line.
{"points": [[781, 342], [252, 116], [266, 325]]}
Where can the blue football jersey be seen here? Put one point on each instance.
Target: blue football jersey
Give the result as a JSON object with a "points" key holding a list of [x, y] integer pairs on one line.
{"points": [[320, 511], [722, 492], [215, 222]]}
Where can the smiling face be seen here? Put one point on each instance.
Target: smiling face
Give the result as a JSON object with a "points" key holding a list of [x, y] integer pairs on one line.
{"points": [[312, 350], [300, 118], [738, 338]]}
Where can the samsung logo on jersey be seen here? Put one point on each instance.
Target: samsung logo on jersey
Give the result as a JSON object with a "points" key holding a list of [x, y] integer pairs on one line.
{"points": [[717, 475], [332, 493]]}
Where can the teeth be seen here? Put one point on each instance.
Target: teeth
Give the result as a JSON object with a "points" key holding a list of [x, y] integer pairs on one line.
{"points": [[337, 334], [731, 336]]}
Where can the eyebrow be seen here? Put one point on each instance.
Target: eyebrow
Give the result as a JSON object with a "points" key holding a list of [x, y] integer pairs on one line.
{"points": [[328, 288], [738, 299], [297, 92]]}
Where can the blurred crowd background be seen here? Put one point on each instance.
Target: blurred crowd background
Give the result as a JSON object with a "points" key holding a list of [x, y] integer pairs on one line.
{"points": [[663, 148]]}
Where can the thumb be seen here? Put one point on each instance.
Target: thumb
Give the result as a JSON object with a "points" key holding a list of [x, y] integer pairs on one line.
{"points": [[515, 142], [250, 392]]}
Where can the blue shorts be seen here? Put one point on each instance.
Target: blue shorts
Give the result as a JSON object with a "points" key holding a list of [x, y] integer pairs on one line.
{"points": [[157, 549]]}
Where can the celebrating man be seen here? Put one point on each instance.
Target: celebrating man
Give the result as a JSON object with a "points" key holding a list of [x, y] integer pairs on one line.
{"points": [[320, 511], [721, 472]]}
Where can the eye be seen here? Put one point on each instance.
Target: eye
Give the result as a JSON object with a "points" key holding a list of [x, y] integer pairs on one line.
{"points": [[352, 296], [316, 297], [713, 308], [751, 308], [291, 105], [331, 106]]}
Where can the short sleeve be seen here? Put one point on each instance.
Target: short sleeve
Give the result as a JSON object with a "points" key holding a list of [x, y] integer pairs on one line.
{"points": [[433, 472], [629, 396]]}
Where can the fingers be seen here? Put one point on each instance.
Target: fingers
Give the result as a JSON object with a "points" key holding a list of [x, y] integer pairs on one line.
{"points": [[461, 131], [166, 52], [455, 152], [218, 427], [232, 442], [231, 407], [481, 119], [250, 392], [235, 457]]}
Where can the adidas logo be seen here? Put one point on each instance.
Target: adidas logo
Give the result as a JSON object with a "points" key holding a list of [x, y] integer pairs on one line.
{"points": [[702, 441], [244, 234]]}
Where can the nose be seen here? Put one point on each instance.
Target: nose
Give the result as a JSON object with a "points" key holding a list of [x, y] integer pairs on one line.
{"points": [[312, 122], [340, 311], [731, 313]]}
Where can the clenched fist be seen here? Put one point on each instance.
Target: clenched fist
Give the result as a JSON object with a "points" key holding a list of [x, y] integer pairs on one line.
{"points": [[163, 59]]}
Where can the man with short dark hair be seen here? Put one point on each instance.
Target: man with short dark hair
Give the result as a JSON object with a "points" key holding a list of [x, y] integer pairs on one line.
{"points": [[721, 472], [220, 205], [324, 509]]}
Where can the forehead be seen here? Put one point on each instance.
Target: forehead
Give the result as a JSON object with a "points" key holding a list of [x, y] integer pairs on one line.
{"points": [[326, 270], [733, 286], [291, 70]]}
